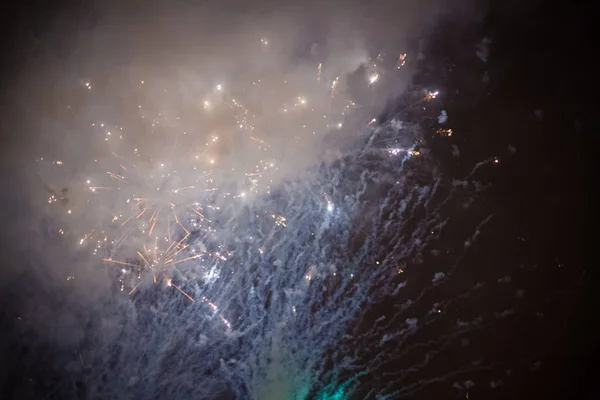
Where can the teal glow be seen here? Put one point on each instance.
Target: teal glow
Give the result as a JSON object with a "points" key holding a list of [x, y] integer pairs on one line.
{"points": [[342, 392], [339, 394]]}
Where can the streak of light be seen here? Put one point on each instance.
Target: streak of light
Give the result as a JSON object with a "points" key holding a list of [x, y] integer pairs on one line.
{"points": [[181, 290], [177, 252], [197, 212], [334, 86], [110, 260], [171, 262], [135, 287], [154, 223], [144, 258], [116, 176]]}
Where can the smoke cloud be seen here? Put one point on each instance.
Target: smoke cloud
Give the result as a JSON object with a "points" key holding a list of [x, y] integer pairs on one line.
{"points": [[239, 98]]}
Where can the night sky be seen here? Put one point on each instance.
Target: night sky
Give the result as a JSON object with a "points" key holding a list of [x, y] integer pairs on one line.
{"points": [[516, 82]]}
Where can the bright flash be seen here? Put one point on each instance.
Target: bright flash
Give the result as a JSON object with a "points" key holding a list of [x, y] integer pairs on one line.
{"points": [[431, 95], [329, 206], [373, 78], [444, 132], [219, 87], [401, 61]]}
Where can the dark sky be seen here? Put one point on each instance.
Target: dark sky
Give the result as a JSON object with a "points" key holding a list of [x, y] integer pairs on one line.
{"points": [[536, 113], [540, 61]]}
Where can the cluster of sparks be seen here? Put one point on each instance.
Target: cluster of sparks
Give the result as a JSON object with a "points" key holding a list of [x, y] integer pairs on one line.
{"points": [[444, 132], [140, 211]]}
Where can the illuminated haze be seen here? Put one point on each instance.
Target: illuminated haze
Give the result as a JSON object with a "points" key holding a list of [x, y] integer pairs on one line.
{"points": [[182, 53]]}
